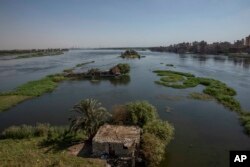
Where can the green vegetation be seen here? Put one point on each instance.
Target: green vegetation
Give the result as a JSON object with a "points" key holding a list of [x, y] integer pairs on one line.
{"points": [[39, 54], [124, 68], [45, 145], [41, 145], [47, 84], [91, 115], [245, 120], [32, 53], [156, 133], [220, 91], [213, 89], [153, 149], [200, 96], [29, 90], [130, 54], [11, 100]]}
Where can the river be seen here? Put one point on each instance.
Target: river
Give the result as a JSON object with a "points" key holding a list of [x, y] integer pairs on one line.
{"points": [[205, 131]]}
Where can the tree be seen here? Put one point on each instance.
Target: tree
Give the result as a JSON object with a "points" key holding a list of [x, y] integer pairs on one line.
{"points": [[91, 115], [153, 149], [161, 129], [124, 68], [140, 113]]}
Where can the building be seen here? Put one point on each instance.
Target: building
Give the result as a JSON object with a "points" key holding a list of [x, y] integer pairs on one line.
{"points": [[116, 140], [247, 41]]}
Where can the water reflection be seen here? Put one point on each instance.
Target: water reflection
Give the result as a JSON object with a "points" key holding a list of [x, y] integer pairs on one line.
{"points": [[122, 80], [242, 62]]}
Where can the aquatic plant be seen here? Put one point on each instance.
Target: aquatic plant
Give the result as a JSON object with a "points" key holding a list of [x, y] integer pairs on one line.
{"points": [[220, 91]]}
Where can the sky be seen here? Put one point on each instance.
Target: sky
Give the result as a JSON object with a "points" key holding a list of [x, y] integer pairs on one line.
{"points": [[27, 24]]}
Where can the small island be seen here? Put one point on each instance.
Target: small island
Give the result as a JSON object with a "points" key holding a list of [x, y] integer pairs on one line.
{"points": [[130, 54], [19, 54]]}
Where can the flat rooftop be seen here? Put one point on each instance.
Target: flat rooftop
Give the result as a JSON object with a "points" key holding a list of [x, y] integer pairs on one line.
{"points": [[117, 134]]}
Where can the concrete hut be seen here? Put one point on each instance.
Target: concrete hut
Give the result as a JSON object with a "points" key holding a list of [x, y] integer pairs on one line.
{"points": [[116, 140]]}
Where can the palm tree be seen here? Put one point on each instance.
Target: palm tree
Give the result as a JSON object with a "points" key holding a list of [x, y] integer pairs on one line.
{"points": [[91, 115]]}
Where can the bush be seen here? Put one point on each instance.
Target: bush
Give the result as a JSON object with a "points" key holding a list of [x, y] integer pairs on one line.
{"points": [[27, 131], [124, 68], [120, 115], [153, 149], [161, 129], [140, 113]]}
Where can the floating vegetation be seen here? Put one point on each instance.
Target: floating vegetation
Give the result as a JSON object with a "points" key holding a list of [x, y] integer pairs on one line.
{"points": [[170, 65], [214, 88], [245, 120]]}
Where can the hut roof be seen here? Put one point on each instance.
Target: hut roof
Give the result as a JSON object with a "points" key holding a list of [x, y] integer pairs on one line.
{"points": [[118, 134]]}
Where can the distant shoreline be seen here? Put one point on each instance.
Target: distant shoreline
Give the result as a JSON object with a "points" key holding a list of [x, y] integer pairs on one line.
{"points": [[18, 54]]}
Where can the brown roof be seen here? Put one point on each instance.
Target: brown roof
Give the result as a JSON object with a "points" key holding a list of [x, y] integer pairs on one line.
{"points": [[117, 134]]}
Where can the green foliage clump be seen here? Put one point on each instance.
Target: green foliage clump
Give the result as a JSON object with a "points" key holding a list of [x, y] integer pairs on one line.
{"points": [[161, 129], [25, 131], [130, 54], [156, 133], [124, 68], [140, 113], [169, 72], [219, 90], [245, 120], [153, 149], [56, 77], [91, 115]]}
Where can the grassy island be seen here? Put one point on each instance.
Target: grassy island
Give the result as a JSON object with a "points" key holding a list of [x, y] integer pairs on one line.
{"points": [[47, 84], [130, 54], [213, 89]]}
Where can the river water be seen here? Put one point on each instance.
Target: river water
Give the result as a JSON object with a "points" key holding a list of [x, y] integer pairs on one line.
{"points": [[205, 131]]}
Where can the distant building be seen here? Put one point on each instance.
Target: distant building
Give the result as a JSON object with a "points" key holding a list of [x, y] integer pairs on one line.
{"points": [[116, 140], [247, 41]]}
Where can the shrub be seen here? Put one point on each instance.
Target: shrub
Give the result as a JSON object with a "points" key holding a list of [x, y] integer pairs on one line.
{"points": [[18, 132], [161, 129], [153, 149], [124, 68], [27, 131], [140, 113]]}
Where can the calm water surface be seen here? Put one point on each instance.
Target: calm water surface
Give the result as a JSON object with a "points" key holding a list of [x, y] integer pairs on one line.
{"points": [[204, 130]]}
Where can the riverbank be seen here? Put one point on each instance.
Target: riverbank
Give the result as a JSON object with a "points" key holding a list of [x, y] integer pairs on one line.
{"points": [[19, 54]]}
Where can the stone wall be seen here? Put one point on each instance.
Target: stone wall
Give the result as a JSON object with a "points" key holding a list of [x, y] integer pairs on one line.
{"points": [[99, 149]]}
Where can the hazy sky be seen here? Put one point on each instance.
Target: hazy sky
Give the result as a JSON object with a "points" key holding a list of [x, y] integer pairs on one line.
{"points": [[114, 23]]}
